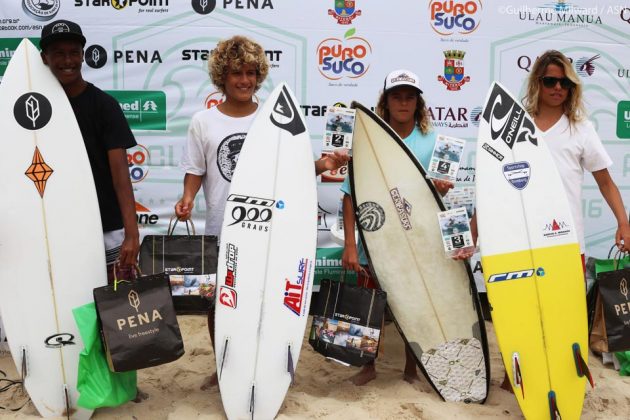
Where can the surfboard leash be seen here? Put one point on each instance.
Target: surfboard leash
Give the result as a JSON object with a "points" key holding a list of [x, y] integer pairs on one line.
{"points": [[10, 383]]}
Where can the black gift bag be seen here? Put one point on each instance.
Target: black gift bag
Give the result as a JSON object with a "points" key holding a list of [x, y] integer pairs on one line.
{"points": [[188, 259], [614, 294], [347, 322], [138, 323]]}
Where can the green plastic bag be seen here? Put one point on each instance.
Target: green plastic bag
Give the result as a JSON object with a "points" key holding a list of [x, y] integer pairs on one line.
{"points": [[97, 385], [603, 266]]}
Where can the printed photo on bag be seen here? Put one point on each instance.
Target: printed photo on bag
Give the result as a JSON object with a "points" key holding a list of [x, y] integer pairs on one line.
{"points": [[193, 285], [346, 334]]}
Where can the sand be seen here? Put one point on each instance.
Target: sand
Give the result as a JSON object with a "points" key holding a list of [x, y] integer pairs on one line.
{"points": [[322, 390]]}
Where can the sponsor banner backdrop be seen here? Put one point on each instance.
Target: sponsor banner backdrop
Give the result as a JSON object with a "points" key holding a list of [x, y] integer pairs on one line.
{"points": [[151, 56]]}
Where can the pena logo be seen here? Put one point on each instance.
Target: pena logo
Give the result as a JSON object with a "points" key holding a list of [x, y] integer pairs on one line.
{"points": [[449, 17], [138, 160], [95, 56], [623, 120], [623, 287], [143, 109], [285, 114], [584, 66], [349, 57], [32, 111], [41, 9], [345, 11], [454, 77]]}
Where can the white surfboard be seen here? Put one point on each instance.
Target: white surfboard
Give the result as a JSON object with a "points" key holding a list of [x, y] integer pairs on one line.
{"points": [[531, 261], [51, 240], [266, 261], [432, 297]]}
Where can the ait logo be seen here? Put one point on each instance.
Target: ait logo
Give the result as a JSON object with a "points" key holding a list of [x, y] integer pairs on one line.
{"points": [[584, 66], [39, 172], [517, 174], [227, 297], [95, 56], [294, 290], [556, 228], [138, 161], [454, 77], [41, 9], [285, 114], [345, 11], [449, 17], [349, 57]]}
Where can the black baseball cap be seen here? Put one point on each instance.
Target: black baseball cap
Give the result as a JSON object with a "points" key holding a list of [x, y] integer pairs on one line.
{"points": [[60, 30]]}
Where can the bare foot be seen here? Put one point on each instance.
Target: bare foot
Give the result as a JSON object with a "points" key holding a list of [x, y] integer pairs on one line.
{"points": [[411, 376], [140, 396], [365, 375], [507, 385], [210, 381]]}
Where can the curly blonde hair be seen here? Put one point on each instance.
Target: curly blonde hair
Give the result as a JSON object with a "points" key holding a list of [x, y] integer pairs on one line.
{"points": [[421, 114], [573, 106], [231, 54]]}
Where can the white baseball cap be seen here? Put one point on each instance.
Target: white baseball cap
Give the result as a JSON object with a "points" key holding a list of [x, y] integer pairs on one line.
{"points": [[401, 77]]}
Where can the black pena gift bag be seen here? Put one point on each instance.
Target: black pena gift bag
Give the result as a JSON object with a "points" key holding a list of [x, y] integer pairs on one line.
{"points": [[138, 323], [614, 292], [347, 322], [188, 257]]}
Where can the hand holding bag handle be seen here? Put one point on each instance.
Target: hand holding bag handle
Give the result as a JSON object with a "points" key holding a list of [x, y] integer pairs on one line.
{"points": [[171, 226]]}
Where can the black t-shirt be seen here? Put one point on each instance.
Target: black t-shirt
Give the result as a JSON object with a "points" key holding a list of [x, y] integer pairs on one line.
{"points": [[104, 127]]}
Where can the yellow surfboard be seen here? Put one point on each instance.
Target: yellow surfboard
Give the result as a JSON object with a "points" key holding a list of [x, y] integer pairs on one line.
{"points": [[531, 260]]}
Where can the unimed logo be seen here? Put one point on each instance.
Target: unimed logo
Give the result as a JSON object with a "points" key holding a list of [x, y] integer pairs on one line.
{"points": [[623, 120], [143, 109]]}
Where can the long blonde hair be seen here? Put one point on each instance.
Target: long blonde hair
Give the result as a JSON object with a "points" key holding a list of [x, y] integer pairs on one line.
{"points": [[421, 114], [573, 106]]}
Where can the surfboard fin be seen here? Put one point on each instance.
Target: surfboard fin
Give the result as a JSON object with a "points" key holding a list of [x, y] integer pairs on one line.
{"points": [[252, 401], [223, 354], [581, 365], [516, 373], [553, 407], [24, 363], [66, 400], [290, 365]]}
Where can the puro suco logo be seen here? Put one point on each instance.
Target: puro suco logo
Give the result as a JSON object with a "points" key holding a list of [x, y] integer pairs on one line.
{"points": [[449, 17], [350, 57], [138, 161]]}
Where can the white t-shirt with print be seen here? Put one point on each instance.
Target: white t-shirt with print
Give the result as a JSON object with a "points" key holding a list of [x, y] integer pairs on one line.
{"points": [[213, 146], [576, 148]]}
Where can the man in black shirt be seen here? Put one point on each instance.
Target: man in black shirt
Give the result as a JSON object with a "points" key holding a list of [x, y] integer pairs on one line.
{"points": [[106, 135]]}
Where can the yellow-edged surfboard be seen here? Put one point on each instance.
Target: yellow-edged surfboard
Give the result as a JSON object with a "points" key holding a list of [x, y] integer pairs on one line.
{"points": [[531, 260]]}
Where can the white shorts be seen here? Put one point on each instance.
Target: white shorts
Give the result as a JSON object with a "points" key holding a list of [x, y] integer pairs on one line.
{"points": [[113, 241]]}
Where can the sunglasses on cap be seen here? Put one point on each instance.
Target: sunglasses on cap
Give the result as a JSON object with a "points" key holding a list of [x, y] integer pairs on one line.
{"points": [[550, 82]]}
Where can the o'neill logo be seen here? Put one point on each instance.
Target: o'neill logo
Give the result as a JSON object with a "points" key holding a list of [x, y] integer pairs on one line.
{"points": [[294, 290], [556, 228], [507, 119], [345, 11], [454, 77], [448, 17], [349, 57]]}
